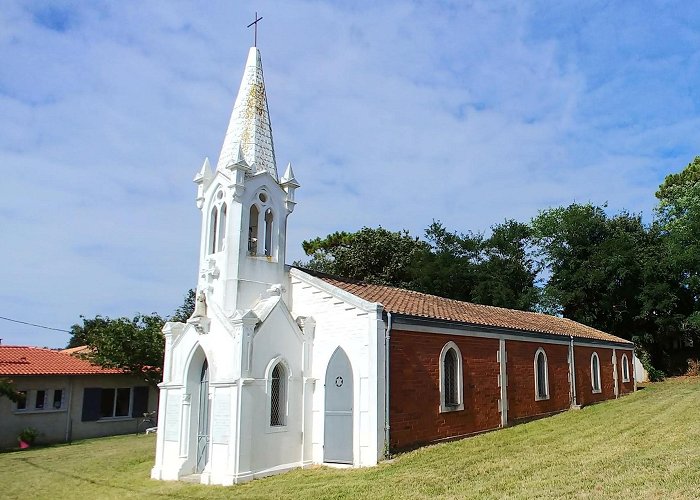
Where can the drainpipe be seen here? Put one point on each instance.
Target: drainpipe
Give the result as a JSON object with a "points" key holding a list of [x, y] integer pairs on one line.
{"points": [[387, 337], [573, 371], [69, 410]]}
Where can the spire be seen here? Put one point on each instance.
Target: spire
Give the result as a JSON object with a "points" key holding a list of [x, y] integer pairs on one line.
{"points": [[249, 131]]}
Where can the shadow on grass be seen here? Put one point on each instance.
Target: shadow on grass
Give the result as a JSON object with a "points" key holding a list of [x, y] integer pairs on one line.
{"points": [[107, 484]]}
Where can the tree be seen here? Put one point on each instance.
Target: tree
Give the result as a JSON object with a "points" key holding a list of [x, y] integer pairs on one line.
{"points": [[679, 217], [184, 312], [7, 390], [134, 345], [595, 265], [497, 270], [374, 255]]}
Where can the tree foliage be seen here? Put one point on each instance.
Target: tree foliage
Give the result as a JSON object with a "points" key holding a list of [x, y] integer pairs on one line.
{"points": [[132, 344], [375, 255], [7, 390], [135, 345]]}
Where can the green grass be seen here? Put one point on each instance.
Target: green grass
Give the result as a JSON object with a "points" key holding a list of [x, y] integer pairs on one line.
{"points": [[646, 445]]}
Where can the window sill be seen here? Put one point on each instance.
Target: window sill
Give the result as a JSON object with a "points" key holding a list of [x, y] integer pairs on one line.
{"points": [[625, 381], [276, 428], [449, 409], [596, 392], [114, 419], [542, 398], [38, 411]]}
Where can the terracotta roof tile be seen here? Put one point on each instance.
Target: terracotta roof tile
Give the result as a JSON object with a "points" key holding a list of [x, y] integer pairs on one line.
{"points": [[410, 303], [21, 360]]}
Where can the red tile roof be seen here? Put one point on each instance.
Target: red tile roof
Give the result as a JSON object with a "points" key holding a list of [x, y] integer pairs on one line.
{"points": [[21, 360], [422, 305]]}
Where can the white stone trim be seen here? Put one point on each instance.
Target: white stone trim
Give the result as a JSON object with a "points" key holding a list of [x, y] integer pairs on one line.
{"points": [[525, 337], [460, 379], [538, 397]]}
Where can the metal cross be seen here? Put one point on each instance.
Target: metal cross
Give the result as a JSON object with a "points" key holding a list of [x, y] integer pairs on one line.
{"points": [[257, 19]]}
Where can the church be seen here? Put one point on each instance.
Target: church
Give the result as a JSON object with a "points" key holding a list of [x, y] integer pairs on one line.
{"points": [[280, 367]]}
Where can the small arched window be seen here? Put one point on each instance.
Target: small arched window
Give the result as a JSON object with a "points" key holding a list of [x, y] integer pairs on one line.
{"points": [[212, 229], [268, 232], [451, 397], [625, 369], [253, 230], [595, 373], [278, 396], [222, 228], [541, 375]]}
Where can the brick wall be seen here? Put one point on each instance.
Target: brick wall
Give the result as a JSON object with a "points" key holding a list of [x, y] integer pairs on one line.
{"points": [[521, 379], [415, 416], [625, 387], [584, 390]]}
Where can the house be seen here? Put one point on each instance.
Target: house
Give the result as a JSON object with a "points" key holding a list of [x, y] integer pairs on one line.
{"points": [[280, 367], [67, 398]]}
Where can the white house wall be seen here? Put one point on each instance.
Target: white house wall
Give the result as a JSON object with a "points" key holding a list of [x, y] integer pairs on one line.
{"points": [[356, 326]]}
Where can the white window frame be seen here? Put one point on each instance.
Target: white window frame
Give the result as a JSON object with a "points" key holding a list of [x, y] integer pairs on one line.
{"points": [[460, 379], [625, 368], [538, 397], [595, 374], [279, 360]]}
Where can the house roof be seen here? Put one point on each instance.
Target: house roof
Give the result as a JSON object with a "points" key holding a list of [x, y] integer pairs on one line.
{"points": [[22, 360], [422, 305]]}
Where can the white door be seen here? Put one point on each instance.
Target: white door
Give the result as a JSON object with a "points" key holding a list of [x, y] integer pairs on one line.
{"points": [[337, 434], [203, 419]]}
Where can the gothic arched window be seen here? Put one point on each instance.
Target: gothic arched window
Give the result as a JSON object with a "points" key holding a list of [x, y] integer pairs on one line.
{"points": [[268, 232], [451, 397], [541, 375], [212, 229], [222, 228], [625, 369], [278, 396], [595, 373], [253, 230]]}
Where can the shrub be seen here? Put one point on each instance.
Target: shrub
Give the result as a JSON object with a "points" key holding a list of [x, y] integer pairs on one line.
{"points": [[693, 368]]}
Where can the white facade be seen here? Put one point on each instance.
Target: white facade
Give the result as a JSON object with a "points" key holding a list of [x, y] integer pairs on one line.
{"points": [[246, 388]]}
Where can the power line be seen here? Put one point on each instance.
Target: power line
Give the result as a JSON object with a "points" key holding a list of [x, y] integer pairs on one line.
{"points": [[33, 324]]}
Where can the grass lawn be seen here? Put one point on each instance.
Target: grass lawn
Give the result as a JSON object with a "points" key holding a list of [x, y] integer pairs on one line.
{"points": [[646, 445]]}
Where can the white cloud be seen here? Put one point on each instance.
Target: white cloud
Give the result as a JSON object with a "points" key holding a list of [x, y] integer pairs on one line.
{"points": [[392, 113]]}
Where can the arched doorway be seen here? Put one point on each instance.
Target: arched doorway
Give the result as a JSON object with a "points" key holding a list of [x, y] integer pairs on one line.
{"points": [[337, 434], [203, 419]]}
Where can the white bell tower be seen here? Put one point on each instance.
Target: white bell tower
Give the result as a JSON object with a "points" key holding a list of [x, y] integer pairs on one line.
{"points": [[244, 204]]}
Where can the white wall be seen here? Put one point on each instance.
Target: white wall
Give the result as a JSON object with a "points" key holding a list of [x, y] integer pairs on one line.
{"points": [[343, 320]]}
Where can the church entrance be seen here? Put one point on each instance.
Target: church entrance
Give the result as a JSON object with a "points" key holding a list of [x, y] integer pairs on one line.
{"points": [[337, 434], [203, 419]]}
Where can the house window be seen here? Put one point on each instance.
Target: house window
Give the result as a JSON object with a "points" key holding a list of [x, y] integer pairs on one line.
{"points": [[115, 402], [122, 402], [57, 399], [595, 373], [541, 375], [40, 402], [22, 400], [451, 378], [278, 396], [625, 369]]}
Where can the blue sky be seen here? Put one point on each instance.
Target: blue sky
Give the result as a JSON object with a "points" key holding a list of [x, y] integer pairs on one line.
{"points": [[392, 113]]}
